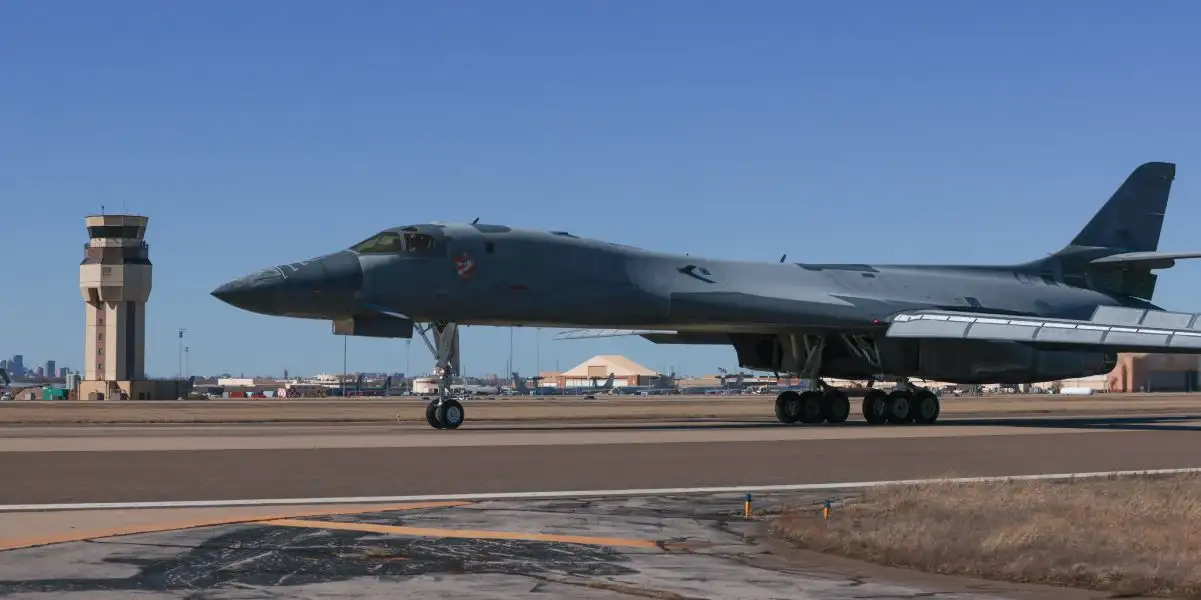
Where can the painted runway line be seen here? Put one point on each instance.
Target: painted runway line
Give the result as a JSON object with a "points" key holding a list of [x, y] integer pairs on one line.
{"points": [[78, 536], [475, 534], [802, 487]]}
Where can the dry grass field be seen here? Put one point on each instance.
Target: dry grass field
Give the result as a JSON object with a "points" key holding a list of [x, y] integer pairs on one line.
{"points": [[542, 409], [1126, 536]]}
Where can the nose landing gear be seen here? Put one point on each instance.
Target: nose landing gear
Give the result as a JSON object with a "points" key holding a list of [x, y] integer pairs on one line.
{"points": [[445, 411], [444, 414]]}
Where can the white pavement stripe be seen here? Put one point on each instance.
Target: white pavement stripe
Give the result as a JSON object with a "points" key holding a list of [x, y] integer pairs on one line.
{"points": [[801, 487]]}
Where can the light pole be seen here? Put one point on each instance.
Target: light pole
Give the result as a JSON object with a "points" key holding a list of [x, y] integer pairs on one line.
{"points": [[344, 338], [179, 374], [537, 352], [186, 362], [510, 373]]}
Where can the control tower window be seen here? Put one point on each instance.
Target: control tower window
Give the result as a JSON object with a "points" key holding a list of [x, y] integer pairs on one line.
{"points": [[113, 231], [388, 242]]}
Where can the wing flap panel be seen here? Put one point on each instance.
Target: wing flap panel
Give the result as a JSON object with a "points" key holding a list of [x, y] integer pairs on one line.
{"points": [[1059, 335], [1005, 332], [1118, 315], [1117, 327], [1181, 341], [1167, 320]]}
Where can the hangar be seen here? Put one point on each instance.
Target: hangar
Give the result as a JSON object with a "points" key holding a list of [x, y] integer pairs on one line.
{"points": [[625, 372]]}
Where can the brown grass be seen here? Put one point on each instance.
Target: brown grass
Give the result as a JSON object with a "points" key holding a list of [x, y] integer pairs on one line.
{"points": [[529, 409], [1129, 535]]}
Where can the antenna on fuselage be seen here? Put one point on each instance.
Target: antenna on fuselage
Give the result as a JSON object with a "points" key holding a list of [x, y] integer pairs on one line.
{"points": [[783, 257], [476, 220]]}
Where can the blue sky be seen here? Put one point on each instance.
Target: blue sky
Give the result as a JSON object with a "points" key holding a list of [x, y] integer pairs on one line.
{"points": [[255, 133]]}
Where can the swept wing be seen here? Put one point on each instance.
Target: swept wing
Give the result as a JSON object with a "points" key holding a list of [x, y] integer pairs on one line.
{"points": [[1111, 327]]}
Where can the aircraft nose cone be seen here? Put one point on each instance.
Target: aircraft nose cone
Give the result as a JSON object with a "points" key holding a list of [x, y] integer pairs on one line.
{"points": [[255, 293], [320, 288]]}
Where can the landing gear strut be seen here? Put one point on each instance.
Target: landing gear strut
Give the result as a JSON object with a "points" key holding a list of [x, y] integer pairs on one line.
{"points": [[444, 412], [822, 402]]}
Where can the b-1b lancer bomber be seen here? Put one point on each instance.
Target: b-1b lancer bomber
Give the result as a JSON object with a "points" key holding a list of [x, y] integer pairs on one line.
{"points": [[1062, 316]]}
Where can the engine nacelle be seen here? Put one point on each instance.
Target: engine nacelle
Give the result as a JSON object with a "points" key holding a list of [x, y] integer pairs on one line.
{"points": [[978, 361], [952, 361]]}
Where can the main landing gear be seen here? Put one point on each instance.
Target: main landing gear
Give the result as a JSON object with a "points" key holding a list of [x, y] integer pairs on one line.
{"points": [[906, 404], [444, 412], [831, 405], [824, 403]]}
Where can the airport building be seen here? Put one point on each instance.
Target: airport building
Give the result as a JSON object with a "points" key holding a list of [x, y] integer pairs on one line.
{"points": [[114, 280], [1140, 372], [596, 370]]}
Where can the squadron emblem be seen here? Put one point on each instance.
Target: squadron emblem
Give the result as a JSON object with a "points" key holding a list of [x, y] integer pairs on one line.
{"points": [[465, 265]]}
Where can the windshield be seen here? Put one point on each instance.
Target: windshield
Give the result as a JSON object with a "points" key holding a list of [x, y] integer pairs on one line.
{"points": [[391, 242], [388, 242]]}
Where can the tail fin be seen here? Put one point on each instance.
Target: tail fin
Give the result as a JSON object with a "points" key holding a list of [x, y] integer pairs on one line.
{"points": [[1133, 217], [1130, 222]]}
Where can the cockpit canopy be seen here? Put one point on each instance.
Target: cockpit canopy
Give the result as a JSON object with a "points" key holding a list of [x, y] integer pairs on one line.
{"points": [[409, 241]]}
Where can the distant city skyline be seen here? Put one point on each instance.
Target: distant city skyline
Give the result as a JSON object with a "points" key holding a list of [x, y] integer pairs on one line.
{"points": [[17, 368]]}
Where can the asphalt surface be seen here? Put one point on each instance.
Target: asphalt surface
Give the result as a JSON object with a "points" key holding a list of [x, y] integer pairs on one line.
{"points": [[670, 548], [686, 547], [449, 462]]}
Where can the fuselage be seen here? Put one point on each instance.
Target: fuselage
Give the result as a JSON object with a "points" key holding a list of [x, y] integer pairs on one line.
{"points": [[492, 275]]}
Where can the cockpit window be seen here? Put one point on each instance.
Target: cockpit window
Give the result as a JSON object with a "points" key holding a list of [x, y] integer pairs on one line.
{"points": [[395, 242], [418, 243], [388, 242]]}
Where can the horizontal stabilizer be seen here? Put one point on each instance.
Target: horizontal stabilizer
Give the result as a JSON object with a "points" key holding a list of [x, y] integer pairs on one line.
{"points": [[579, 334], [1113, 328], [1144, 260]]}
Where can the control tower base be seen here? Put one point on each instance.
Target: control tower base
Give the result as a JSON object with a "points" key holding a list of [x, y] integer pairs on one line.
{"points": [[143, 389]]}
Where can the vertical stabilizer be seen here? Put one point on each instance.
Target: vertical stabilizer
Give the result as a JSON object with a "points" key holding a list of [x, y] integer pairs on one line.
{"points": [[1130, 221], [1133, 217]]}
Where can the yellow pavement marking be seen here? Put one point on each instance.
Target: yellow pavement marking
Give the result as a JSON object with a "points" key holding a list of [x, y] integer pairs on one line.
{"points": [[466, 533], [192, 524]]}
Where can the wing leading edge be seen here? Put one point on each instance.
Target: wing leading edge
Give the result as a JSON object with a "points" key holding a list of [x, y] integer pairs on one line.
{"points": [[579, 334], [1117, 328]]}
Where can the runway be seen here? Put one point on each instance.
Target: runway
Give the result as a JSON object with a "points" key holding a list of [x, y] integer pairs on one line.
{"points": [[586, 536], [72, 465]]}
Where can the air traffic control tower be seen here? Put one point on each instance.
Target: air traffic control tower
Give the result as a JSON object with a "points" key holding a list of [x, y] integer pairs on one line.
{"points": [[114, 279]]}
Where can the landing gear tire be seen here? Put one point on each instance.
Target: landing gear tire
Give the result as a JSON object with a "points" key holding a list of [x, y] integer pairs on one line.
{"points": [[925, 407], [431, 414], [836, 406], [811, 407], [788, 407], [900, 407], [875, 407], [451, 414]]}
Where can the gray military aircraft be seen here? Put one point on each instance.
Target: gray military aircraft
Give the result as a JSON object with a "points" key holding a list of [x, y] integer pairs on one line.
{"points": [[1063, 316]]}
